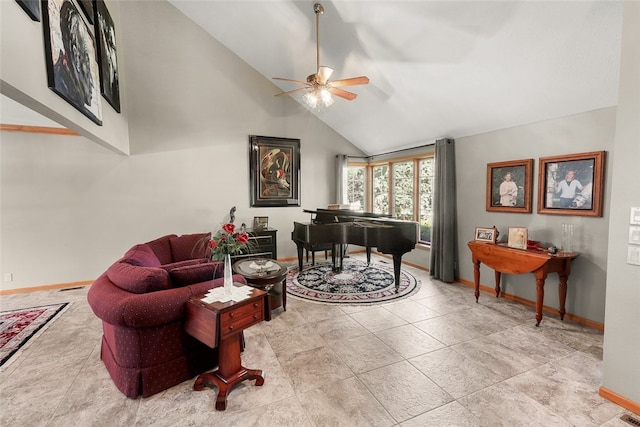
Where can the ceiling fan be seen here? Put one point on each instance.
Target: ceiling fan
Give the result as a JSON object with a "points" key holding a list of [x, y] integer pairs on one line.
{"points": [[319, 88]]}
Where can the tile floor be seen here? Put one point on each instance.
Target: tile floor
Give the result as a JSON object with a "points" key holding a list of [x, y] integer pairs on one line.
{"points": [[434, 359]]}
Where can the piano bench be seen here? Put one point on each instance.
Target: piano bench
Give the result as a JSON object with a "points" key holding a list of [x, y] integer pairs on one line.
{"points": [[326, 247]]}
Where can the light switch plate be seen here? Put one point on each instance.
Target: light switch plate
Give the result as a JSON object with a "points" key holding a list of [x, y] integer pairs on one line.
{"points": [[635, 216], [633, 255]]}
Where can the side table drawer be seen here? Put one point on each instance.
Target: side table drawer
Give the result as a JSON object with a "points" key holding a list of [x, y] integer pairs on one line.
{"points": [[240, 318]]}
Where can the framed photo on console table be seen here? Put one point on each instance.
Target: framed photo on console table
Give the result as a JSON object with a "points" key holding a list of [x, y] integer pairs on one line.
{"points": [[509, 186], [274, 171], [486, 234], [517, 237], [571, 184]]}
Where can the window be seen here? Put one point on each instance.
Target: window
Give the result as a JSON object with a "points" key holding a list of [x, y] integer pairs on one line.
{"points": [[402, 188]]}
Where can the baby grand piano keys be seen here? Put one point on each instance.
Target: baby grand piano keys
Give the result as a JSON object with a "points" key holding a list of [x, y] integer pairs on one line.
{"points": [[341, 227]]}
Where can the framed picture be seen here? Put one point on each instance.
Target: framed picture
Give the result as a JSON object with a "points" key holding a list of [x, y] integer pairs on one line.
{"points": [[70, 57], [509, 186], [571, 184], [260, 223], [274, 171], [107, 55], [485, 234], [517, 237], [87, 8], [32, 7]]}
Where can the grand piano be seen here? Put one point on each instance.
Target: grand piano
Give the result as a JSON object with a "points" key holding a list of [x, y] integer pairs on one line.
{"points": [[340, 227]]}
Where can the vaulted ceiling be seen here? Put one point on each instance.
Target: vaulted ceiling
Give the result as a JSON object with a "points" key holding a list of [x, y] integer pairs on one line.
{"points": [[436, 68]]}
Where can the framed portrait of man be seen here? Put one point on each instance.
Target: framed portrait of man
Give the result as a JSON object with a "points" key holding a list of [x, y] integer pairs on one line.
{"points": [[509, 186]]}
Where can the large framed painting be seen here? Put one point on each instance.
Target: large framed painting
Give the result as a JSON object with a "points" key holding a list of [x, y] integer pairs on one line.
{"points": [[72, 68], [274, 171], [32, 7], [509, 186], [108, 63], [87, 8], [571, 184]]}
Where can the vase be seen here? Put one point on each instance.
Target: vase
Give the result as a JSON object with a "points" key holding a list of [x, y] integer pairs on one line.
{"points": [[228, 281]]}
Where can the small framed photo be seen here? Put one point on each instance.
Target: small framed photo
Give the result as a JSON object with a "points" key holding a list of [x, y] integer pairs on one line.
{"points": [[571, 184], [517, 237], [274, 171], [486, 234], [509, 186], [260, 223]]}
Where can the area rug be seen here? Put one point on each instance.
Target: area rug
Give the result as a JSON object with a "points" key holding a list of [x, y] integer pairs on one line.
{"points": [[17, 327], [356, 284]]}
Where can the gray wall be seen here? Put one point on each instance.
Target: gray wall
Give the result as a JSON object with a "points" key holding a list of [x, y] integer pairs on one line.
{"points": [[622, 333], [73, 207], [591, 131]]}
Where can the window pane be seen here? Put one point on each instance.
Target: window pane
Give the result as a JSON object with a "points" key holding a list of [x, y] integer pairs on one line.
{"points": [[426, 199], [381, 189], [355, 186], [403, 190]]}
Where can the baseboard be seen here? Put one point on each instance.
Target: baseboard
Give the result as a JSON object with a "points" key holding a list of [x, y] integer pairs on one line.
{"points": [[45, 287], [619, 400], [545, 309]]}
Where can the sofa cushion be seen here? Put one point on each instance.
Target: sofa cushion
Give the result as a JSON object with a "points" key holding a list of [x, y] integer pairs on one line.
{"points": [[190, 274], [142, 256], [189, 246], [184, 263], [138, 280], [162, 248]]}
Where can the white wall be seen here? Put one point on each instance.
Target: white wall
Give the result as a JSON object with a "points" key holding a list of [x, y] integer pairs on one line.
{"points": [[622, 333], [70, 208], [591, 131]]}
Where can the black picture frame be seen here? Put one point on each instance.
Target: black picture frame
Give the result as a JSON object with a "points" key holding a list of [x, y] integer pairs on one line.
{"points": [[521, 174], [87, 8], [274, 171], [107, 55], [587, 169], [32, 7], [70, 57]]}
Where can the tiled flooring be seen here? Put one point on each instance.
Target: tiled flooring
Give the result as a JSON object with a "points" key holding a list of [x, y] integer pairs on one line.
{"points": [[434, 359]]}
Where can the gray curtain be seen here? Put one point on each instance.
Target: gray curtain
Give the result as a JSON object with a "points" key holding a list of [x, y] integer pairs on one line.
{"points": [[444, 241], [342, 163]]}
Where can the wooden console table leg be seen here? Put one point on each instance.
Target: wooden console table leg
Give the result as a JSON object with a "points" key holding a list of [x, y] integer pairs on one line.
{"points": [[540, 278], [230, 372], [498, 276], [476, 278], [562, 294]]}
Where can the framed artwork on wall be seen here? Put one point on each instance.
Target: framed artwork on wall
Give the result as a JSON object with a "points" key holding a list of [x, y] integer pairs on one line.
{"points": [[509, 186], [107, 55], [274, 171], [87, 8], [70, 57], [32, 7], [571, 184]]}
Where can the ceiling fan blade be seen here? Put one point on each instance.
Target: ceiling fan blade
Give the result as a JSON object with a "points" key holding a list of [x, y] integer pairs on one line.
{"points": [[323, 74], [362, 80], [292, 91], [292, 81], [349, 96]]}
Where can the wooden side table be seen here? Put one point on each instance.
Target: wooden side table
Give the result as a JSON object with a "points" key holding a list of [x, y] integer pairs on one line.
{"points": [[220, 324], [270, 279]]}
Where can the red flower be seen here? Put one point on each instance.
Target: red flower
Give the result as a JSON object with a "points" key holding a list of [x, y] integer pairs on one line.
{"points": [[229, 228], [242, 238], [213, 244]]}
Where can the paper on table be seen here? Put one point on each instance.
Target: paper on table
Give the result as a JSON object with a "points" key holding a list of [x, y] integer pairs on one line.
{"points": [[237, 294]]}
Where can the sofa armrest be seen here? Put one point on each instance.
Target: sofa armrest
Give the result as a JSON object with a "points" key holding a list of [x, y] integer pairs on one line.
{"points": [[118, 307]]}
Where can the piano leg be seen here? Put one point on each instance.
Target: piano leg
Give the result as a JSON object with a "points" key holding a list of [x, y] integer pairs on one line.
{"points": [[397, 264], [300, 251], [368, 255], [334, 253]]}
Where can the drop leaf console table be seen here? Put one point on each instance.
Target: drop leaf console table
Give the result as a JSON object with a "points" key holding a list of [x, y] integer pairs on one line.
{"points": [[503, 259], [219, 324]]}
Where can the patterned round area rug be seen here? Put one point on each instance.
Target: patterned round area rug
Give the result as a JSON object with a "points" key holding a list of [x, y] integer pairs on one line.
{"points": [[357, 283]]}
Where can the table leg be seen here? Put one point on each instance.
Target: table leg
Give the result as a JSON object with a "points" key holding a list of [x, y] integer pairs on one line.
{"points": [[476, 278], [230, 372], [562, 294], [498, 276], [540, 278], [284, 294]]}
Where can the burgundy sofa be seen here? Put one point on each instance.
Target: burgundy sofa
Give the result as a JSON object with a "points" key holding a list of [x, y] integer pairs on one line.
{"points": [[140, 299]]}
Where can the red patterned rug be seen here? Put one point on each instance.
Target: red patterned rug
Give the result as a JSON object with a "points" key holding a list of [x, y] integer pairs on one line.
{"points": [[357, 283], [17, 327]]}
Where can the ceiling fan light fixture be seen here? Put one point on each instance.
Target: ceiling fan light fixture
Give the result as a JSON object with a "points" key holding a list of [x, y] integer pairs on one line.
{"points": [[318, 97]]}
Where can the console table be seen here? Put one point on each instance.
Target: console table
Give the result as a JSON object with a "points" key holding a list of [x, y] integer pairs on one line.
{"points": [[219, 324], [503, 259]]}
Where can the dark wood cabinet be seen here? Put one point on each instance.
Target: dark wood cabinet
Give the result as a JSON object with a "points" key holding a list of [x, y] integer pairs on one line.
{"points": [[262, 244]]}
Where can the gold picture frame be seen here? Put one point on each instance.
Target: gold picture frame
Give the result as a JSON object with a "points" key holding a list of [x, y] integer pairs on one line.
{"points": [[509, 186]]}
